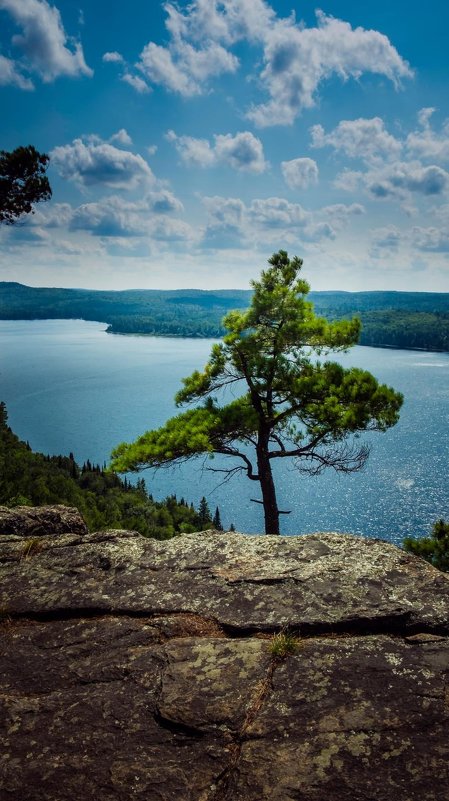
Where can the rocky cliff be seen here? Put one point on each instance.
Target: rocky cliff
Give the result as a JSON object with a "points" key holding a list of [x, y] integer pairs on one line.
{"points": [[137, 669]]}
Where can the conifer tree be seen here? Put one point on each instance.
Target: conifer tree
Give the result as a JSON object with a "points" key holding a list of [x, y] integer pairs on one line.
{"points": [[293, 406], [217, 520], [205, 517]]}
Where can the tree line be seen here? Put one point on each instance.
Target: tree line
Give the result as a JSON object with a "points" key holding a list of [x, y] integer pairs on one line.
{"points": [[104, 499]]}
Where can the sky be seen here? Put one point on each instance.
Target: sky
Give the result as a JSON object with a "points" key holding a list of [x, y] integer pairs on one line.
{"points": [[189, 141]]}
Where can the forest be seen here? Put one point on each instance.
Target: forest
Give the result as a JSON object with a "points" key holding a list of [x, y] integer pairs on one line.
{"points": [[389, 319], [104, 499]]}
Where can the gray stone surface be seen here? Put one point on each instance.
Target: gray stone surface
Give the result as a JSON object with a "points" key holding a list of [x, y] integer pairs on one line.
{"points": [[135, 669], [37, 521]]}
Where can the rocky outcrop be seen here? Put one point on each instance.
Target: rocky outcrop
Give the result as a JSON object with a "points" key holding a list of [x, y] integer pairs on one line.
{"points": [[137, 669], [39, 521]]}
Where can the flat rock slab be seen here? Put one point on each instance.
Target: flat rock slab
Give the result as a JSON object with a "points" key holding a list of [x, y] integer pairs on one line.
{"points": [[314, 583], [136, 669]]}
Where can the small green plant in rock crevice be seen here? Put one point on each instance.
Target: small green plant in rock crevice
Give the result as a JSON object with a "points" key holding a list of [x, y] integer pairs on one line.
{"points": [[283, 644], [31, 547]]}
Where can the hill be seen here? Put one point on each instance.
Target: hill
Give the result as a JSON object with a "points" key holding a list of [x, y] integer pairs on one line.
{"points": [[390, 319]]}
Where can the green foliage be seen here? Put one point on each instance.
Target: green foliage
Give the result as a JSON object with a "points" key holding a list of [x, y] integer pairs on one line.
{"points": [[216, 522], [293, 405], [22, 182], [434, 549], [389, 319], [204, 514], [104, 500], [283, 644]]}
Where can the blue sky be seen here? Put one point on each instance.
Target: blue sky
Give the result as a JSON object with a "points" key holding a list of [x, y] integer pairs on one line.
{"points": [[189, 141]]}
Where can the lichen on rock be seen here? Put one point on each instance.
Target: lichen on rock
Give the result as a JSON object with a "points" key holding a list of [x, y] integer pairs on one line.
{"points": [[138, 669]]}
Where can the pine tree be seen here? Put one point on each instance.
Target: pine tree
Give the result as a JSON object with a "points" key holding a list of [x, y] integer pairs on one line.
{"points": [[204, 515], [217, 520], [295, 405]]}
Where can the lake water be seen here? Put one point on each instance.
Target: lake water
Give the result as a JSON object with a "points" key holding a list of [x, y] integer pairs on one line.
{"points": [[69, 386]]}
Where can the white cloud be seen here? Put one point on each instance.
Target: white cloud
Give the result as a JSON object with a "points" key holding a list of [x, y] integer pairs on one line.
{"points": [[365, 139], [226, 211], [91, 163], [136, 82], [115, 217], [348, 180], [300, 173], [163, 202], [194, 152], [52, 215], [122, 137], [426, 143], [406, 177], [339, 214], [278, 213], [183, 68], [396, 181], [298, 60], [44, 42], [271, 220], [10, 76], [226, 21], [113, 57], [431, 239], [244, 151]]}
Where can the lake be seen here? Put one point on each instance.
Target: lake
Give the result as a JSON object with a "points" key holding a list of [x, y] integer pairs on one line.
{"points": [[69, 386]]}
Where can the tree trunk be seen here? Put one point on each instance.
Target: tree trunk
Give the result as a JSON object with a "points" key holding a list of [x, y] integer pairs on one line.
{"points": [[270, 507]]}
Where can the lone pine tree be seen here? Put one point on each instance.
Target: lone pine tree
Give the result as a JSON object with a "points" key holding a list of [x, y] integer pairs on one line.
{"points": [[293, 405]]}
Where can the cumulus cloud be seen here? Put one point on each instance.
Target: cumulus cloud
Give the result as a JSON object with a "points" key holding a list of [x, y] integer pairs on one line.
{"points": [[226, 222], [277, 212], [431, 239], [396, 181], [365, 139], [230, 221], [297, 60], [113, 57], [226, 21], [52, 215], [89, 163], [227, 211], [199, 38], [244, 151], [122, 137], [163, 202], [183, 68], [113, 216], [300, 173], [136, 82], [407, 177], [194, 152], [10, 75], [339, 214], [427, 143], [46, 48]]}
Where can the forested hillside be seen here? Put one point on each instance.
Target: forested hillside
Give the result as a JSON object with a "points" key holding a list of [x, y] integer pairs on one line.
{"points": [[390, 319], [104, 499]]}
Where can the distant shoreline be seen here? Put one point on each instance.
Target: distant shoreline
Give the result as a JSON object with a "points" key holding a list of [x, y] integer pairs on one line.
{"points": [[417, 321]]}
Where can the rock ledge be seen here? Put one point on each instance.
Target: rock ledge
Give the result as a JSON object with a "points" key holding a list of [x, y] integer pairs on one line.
{"points": [[137, 669]]}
